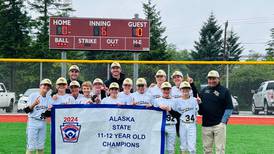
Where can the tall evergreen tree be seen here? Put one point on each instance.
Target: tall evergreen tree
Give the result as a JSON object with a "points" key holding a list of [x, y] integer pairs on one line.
{"points": [[270, 48], [14, 37], [234, 47], [209, 45], [158, 43]]}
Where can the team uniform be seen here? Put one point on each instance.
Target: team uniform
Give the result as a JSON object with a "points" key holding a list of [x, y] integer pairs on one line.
{"points": [[63, 99], [78, 99], [127, 98], [84, 100], [170, 129], [188, 109], [155, 92], [36, 127], [109, 100], [141, 99]]}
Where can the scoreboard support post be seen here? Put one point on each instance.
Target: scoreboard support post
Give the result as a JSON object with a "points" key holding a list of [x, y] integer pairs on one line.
{"points": [[63, 65], [135, 58]]}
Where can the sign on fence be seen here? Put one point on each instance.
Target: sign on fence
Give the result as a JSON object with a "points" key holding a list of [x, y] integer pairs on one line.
{"points": [[107, 129]]}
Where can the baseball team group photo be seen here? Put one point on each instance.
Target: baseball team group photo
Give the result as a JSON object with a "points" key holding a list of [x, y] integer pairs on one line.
{"points": [[136, 77]]}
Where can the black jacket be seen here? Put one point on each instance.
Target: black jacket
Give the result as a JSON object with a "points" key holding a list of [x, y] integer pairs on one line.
{"points": [[120, 81], [215, 100]]}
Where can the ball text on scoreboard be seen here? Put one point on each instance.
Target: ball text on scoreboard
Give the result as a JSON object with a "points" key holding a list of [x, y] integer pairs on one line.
{"points": [[99, 34]]}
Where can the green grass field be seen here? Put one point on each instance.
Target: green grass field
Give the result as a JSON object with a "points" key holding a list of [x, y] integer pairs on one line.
{"points": [[241, 139]]}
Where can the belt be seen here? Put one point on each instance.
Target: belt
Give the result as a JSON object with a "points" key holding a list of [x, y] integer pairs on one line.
{"points": [[191, 122]]}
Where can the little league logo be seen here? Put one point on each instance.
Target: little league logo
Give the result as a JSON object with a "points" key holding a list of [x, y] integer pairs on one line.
{"points": [[70, 132]]}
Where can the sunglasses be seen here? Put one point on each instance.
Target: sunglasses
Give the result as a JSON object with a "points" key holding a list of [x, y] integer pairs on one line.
{"points": [[159, 76], [141, 85]]}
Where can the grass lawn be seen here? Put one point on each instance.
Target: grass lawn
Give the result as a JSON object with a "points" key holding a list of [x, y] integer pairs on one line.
{"points": [[241, 139]]}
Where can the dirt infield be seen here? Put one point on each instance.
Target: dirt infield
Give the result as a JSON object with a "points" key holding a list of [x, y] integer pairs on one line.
{"points": [[237, 120]]}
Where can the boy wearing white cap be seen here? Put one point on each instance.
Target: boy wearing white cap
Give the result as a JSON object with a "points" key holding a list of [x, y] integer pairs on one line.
{"points": [[126, 93], [187, 106], [38, 103], [98, 91], [61, 97], [75, 91], [177, 78], [113, 97], [140, 97], [170, 130], [155, 91]]}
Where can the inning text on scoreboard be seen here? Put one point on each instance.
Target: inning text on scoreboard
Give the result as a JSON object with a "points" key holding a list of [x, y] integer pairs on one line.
{"points": [[99, 34]]}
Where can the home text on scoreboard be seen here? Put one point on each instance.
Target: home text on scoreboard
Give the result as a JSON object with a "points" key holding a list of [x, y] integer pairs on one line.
{"points": [[99, 34]]}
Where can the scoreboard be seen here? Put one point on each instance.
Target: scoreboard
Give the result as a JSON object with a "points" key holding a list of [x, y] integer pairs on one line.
{"points": [[99, 34]]}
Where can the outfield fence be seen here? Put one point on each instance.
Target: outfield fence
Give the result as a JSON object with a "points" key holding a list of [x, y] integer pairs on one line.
{"points": [[242, 76]]}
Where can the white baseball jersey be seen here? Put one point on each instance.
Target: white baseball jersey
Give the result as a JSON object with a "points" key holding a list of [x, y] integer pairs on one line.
{"points": [[187, 108], [176, 93], [41, 107], [127, 98], [84, 100], [109, 100], [79, 98], [170, 102], [63, 99], [154, 92], [141, 99]]}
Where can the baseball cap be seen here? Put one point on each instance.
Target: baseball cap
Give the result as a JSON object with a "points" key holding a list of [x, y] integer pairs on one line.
{"points": [[160, 73], [127, 81], [213, 74], [98, 80], [74, 67], [61, 80], [114, 85], [74, 83], [115, 64], [177, 73], [185, 84], [165, 85], [141, 81], [46, 81]]}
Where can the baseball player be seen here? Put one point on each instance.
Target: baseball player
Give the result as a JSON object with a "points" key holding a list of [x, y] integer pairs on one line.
{"points": [[177, 78], [38, 103], [164, 102], [188, 107], [126, 93], [140, 97], [61, 97], [113, 97], [75, 91], [155, 91], [98, 91], [74, 73], [86, 88]]}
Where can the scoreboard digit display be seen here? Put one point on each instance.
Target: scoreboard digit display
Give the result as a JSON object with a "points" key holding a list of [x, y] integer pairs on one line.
{"points": [[99, 34]]}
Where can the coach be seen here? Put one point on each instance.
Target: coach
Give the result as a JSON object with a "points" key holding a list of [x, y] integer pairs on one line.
{"points": [[116, 75], [215, 108]]}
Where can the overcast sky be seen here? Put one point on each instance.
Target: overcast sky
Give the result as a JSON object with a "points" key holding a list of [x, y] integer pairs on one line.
{"points": [[251, 19]]}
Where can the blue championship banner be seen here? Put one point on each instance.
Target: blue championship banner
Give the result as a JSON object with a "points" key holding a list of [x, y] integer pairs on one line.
{"points": [[107, 129]]}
